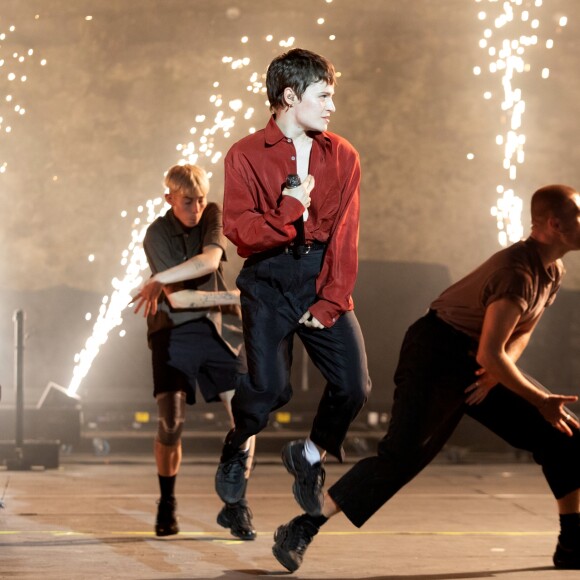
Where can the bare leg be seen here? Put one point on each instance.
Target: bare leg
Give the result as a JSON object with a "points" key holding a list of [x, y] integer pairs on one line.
{"points": [[329, 507], [168, 459], [167, 447], [167, 451]]}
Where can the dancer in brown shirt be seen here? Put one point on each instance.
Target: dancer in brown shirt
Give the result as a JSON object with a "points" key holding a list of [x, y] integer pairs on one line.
{"points": [[461, 359]]}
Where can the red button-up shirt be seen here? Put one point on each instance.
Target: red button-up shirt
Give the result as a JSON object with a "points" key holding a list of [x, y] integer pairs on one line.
{"points": [[257, 217]]}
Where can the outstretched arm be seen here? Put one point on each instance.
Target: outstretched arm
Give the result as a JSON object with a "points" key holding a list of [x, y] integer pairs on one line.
{"points": [[493, 355], [201, 299]]}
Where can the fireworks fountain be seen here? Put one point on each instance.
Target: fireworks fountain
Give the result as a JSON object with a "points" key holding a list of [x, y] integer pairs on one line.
{"points": [[211, 131], [512, 28]]}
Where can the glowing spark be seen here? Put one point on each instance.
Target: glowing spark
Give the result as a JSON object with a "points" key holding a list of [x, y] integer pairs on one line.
{"points": [[16, 63], [211, 128], [112, 306], [507, 59], [287, 43]]}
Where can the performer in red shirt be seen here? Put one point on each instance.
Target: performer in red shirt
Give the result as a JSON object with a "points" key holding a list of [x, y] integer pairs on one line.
{"points": [[300, 241]]}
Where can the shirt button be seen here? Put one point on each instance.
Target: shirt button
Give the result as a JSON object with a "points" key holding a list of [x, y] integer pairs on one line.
{"points": [[289, 140], [293, 158]]}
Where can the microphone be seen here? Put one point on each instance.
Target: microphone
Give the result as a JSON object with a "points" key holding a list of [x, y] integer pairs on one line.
{"points": [[293, 181]]}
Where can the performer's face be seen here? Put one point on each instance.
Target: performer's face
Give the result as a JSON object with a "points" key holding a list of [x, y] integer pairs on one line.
{"points": [[188, 209], [570, 225], [315, 107]]}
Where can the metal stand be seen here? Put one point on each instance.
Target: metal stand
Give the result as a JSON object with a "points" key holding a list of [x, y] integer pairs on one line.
{"points": [[17, 461], [26, 455]]}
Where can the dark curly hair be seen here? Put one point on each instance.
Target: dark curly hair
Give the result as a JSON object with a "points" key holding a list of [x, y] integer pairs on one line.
{"points": [[298, 68]]}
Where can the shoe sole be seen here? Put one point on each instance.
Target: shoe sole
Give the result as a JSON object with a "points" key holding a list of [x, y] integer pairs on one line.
{"points": [[225, 523], [566, 558], [283, 557], [162, 531], [310, 508], [562, 564]]}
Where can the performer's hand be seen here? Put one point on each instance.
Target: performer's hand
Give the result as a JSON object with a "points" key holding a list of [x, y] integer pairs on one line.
{"points": [[147, 297], [479, 389], [302, 192], [556, 414], [310, 321]]}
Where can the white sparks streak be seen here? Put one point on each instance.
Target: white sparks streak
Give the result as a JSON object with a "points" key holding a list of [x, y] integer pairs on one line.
{"points": [[507, 59], [112, 306], [209, 130]]}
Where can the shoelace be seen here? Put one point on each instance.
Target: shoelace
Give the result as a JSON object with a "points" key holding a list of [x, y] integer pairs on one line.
{"points": [[299, 540], [230, 468], [315, 480], [241, 516]]}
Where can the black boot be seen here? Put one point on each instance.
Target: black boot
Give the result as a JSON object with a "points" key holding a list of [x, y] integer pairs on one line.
{"points": [[292, 539], [230, 479], [166, 522], [238, 518]]}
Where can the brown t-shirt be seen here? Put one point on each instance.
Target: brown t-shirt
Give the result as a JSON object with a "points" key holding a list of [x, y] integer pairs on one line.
{"points": [[516, 273]]}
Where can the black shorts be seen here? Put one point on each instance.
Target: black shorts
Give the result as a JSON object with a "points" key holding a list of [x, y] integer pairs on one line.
{"points": [[190, 355]]}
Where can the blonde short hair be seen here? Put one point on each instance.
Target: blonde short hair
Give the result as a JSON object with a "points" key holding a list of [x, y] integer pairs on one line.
{"points": [[186, 179]]}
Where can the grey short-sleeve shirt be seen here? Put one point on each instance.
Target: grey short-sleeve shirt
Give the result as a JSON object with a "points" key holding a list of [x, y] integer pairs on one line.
{"points": [[168, 243]]}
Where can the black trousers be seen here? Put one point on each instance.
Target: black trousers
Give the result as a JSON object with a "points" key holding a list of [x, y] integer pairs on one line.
{"points": [[275, 293], [436, 364]]}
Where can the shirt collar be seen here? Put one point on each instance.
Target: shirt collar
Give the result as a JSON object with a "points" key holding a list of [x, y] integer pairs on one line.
{"points": [[550, 269], [177, 228], [273, 135]]}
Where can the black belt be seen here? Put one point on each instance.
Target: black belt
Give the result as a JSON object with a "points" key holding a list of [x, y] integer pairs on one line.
{"points": [[303, 248], [295, 250]]}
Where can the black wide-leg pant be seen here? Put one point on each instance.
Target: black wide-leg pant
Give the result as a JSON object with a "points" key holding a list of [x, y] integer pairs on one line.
{"points": [[436, 365], [275, 293]]}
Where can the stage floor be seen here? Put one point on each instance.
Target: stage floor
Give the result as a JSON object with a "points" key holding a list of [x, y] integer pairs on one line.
{"points": [[93, 518]]}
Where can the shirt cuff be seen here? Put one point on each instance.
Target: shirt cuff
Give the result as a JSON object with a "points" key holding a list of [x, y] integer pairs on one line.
{"points": [[291, 207], [325, 312]]}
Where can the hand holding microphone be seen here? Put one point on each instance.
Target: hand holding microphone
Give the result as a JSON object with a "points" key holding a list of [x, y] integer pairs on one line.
{"points": [[300, 191]]}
